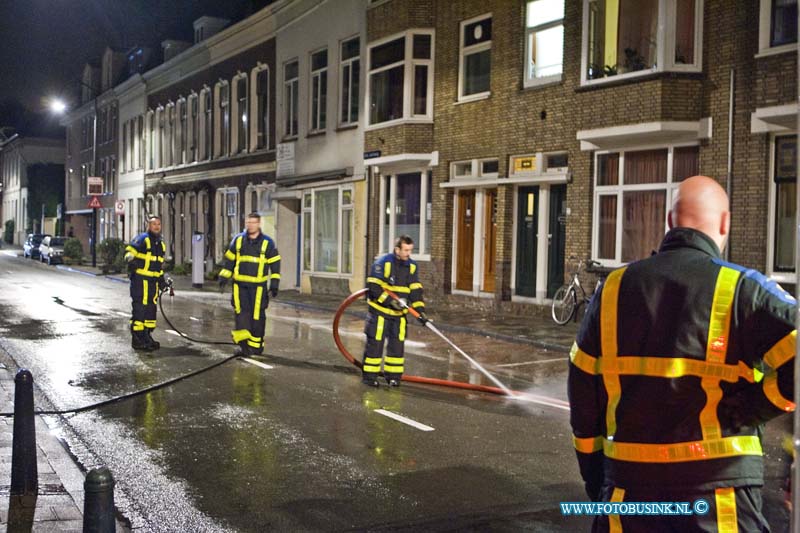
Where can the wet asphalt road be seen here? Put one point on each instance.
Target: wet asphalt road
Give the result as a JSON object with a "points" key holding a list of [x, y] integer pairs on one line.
{"points": [[292, 440]]}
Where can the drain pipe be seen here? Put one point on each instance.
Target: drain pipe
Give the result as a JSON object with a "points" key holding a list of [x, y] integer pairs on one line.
{"points": [[729, 175], [795, 471]]}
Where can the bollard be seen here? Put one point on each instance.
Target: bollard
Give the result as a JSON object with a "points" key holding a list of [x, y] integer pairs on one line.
{"points": [[24, 475], [98, 504]]}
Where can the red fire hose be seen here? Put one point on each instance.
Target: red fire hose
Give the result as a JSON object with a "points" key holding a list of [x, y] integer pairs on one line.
{"points": [[411, 379]]}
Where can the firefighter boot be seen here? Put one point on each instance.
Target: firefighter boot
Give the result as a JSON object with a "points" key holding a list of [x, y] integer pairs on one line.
{"points": [[154, 343], [139, 342], [243, 350]]}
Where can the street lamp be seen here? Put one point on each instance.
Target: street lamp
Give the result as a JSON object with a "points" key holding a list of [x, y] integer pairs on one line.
{"points": [[59, 107]]}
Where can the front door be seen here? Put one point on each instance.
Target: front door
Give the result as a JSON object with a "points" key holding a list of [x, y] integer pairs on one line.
{"points": [[489, 238], [527, 240], [466, 240], [556, 239]]}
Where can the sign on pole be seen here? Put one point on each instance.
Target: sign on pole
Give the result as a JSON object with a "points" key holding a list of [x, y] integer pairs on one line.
{"points": [[94, 203], [94, 185], [119, 207]]}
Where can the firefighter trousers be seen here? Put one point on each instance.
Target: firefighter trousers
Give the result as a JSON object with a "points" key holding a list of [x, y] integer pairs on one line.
{"points": [[250, 302], [382, 330], [144, 298], [728, 509]]}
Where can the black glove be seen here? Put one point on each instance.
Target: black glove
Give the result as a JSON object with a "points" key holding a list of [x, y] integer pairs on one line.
{"points": [[423, 318], [395, 304], [273, 292], [131, 268], [222, 283], [162, 282]]}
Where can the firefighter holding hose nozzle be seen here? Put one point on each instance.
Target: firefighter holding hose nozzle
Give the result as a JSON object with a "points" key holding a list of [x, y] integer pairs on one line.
{"points": [[395, 272], [253, 261]]}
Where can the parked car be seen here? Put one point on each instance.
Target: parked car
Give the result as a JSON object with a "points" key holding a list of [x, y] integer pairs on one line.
{"points": [[52, 250], [31, 246]]}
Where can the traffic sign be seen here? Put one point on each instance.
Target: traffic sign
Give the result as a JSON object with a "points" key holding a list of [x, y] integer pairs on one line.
{"points": [[94, 185], [94, 203], [119, 207]]}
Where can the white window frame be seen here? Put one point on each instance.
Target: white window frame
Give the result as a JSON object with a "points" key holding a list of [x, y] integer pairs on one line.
{"points": [[150, 128], [665, 44], [463, 52], [205, 149], [179, 154], [783, 276], [315, 122], [347, 83], [340, 248], [669, 186], [222, 136], [534, 81], [169, 135], [291, 89], [193, 129], [256, 119], [421, 254], [408, 79], [765, 32], [475, 169]]}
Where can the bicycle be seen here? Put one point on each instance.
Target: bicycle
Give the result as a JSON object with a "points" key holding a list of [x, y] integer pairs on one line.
{"points": [[568, 298]]}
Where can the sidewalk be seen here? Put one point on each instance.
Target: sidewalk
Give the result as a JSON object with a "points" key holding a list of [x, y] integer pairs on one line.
{"points": [[59, 505], [539, 330]]}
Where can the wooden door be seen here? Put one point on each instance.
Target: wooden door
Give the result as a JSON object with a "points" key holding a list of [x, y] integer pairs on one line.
{"points": [[465, 247], [489, 238]]}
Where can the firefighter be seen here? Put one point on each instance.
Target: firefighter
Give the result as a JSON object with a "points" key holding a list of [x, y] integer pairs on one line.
{"points": [[386, 321], [679, 361], [145, 257], [252, 260]]}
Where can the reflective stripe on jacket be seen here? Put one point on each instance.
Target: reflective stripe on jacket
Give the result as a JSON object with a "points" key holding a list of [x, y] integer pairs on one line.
{"points": [[400, 277], [147, 252], [252, 260]]}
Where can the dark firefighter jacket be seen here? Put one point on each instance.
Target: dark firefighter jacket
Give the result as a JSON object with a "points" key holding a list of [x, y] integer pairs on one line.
{"points": [[680, 360], [147, 253], [252, 261], [400, 277]]}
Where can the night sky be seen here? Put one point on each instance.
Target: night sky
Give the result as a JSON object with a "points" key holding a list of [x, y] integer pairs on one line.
{"points": [[45, 43]]}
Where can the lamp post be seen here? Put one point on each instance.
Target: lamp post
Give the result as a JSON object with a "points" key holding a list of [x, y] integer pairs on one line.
{"points": [[60, 107]]}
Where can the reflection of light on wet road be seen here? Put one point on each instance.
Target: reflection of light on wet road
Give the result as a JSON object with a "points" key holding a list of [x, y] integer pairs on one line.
{"points": [[404, 420]]}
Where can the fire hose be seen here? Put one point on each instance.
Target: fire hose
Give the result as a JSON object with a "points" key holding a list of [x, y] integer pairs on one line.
{"points": [[501, 389]]}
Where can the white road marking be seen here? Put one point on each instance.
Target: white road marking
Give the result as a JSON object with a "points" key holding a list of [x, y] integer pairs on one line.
{"points": [[195, 319], [257, 363], [172, 332], [509, 365], [404, 420], [120, 313], [542, 400]]}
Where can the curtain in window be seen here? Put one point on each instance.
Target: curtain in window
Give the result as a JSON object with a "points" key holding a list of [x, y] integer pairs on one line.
{"points": [[607, 237], [643, 225], [636, 42], [326, 229], [685, 163], [646, 166]]}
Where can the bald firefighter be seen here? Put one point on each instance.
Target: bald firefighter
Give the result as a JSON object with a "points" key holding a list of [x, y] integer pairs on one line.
{"points": [[145, 257], [386, 322], [680, 360], [253, 261]]}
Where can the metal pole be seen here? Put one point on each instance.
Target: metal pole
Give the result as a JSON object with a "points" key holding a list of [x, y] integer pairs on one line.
{"points": [[93, 241], [795, 475], [729, 174], [24, 473]]}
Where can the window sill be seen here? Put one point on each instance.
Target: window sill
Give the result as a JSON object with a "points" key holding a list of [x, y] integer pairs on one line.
{"points": [[399, 122], [540, 83], [776, 50], [377, 3], [347, 127], [317, 133], [472, 98], [289, 138], [616, 81]]}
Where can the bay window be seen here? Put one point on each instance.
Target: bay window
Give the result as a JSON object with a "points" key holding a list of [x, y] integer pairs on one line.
{"points": [[544, 41], [622, 37], [633, 194], [784, 198], [400, 83]]}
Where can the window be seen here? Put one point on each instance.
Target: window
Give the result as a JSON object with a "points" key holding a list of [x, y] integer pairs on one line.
{"points": [[193, 133], [162, 137], [622, 37], [231, 220], [785, 186], [319, 90], [783, 22], [475, 168], [328, 230], [290, 87], [407, 210], [180, 134], [349, 74], [208, 123], [632, 193], [125, 146], [262, 109], [169, 140], [241, 114], [225, 119], [544, 41], [401, 78], [476, 57], [559, 163], [151, 140]]}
